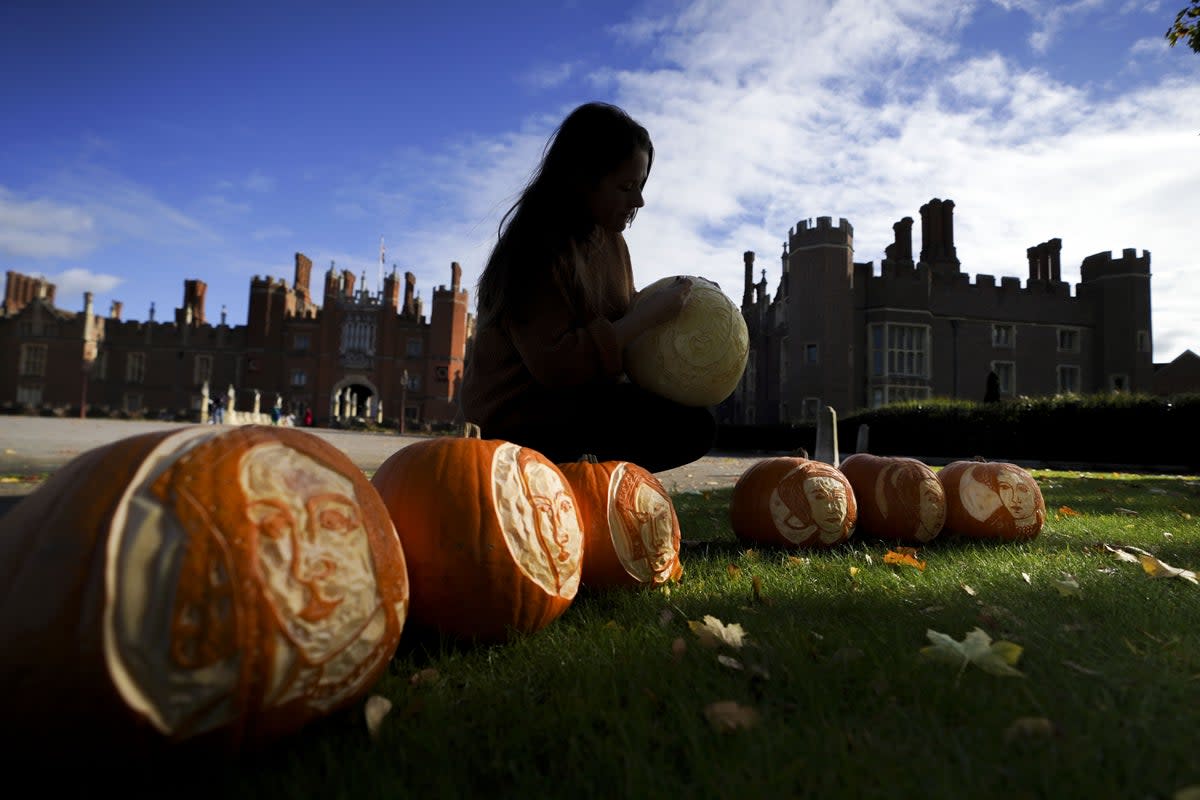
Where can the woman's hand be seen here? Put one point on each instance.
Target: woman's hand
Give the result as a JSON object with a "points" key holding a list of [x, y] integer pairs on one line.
{"points": [[662, 305]]}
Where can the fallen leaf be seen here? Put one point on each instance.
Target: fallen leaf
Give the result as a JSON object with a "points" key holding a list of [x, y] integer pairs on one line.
{"points": [[976, 648], [798, 560], [853, 572], [1158, 569], [905, 556], [1029, 728], [728, 715], [713, 633], [756, 588], [968, 589], [376, 708], [1067, 586], [1025, 577], [1067, 511], [1122, 554], [1124, 512], [1082, 669], [729, 661], [427, 676], [678, 648], [733, 570]]}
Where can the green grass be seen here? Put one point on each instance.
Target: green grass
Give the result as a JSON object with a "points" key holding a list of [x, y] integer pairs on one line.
{"points": [[599, 705]]}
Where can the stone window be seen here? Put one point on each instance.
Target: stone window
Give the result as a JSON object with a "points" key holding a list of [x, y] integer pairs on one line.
{"points": [[301, 341], [1004, 335], [907, 350], [133, 402], [812, 353], [413, 348], [299, 377], [135, 372], [29, 395], [811, 409], [1068, 379], [1006, 371], [1068, 340], [202, 369], [33, 360]]}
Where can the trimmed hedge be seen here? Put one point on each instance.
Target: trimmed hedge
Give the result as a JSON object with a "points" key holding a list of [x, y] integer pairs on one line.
{"points": [[1119, 429]]}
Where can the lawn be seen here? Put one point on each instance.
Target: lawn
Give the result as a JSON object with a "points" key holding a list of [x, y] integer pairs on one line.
{"points": [[829, 693]]}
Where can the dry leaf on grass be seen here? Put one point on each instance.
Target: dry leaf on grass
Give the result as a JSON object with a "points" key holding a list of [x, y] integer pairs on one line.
{"points": [[968, 589], [376, 708], [425, 677], [729, 715], [1067, 511], [904, 555], [976, 648], [733, 571], [1027, 578], [1029, 728], [729, 661], [714, 633], [756, 589], [1150, 564], [1067, 586], [1124, 512]]}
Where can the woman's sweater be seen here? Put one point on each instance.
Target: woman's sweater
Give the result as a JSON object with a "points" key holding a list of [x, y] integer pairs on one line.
{"points": [[519, 371]]}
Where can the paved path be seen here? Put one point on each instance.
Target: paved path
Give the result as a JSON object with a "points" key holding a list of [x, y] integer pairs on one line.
{"points": [[36, 445]]}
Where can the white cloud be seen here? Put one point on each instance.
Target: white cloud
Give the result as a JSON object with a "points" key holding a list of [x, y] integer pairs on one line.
{"points": [[40, 228], [70, 285], [549, 76]]}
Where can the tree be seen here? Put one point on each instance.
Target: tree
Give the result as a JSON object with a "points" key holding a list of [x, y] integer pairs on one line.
{"points": [[1187, 27]]}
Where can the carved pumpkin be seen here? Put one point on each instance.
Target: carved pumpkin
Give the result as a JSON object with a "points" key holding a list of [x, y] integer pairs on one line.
{"points": [[215, 585], [899, 498], [493, 539], [991, 500], [631, 532], [697, 358], [793, 502]]}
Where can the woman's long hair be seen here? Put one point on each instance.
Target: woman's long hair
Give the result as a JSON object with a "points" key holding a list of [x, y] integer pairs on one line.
{"points": [[546, 233]]}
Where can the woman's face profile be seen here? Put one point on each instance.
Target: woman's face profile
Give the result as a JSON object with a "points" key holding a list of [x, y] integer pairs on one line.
{"points": [[1016, 495], [618, 195]]}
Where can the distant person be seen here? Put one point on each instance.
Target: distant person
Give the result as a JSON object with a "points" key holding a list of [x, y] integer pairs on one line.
{"points": [[276, 414], [308, 417], [554, 310], [991, 393], [218, 410]]}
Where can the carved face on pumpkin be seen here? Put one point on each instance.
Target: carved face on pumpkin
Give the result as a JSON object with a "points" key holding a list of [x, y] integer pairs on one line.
{"points": [[313, 552], [537, 515], [1017, 496], [806, 504], [643, 524]]}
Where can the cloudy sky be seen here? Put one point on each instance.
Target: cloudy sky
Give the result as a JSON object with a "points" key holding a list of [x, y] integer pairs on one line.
{"points": [[145, 143]]}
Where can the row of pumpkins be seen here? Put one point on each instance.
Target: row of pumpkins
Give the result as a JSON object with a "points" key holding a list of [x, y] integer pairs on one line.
{"points": [[227, 587]]}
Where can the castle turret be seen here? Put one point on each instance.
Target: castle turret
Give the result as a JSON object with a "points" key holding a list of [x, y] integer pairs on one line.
{"points": [[447, 341], [1118, 291], [410, 285], [191, 313], [821, 271], [391, 292], [300, 281]]}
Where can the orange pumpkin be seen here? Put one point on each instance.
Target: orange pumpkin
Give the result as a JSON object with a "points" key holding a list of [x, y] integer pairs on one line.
{"points": [[991, 500], [793, 502], [215, 586], [899, 498], [492, 536], [630, 529]]}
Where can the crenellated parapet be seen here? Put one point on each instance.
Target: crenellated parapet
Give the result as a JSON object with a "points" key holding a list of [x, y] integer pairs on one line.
{"points": [[1102, 265], [822, 231]]}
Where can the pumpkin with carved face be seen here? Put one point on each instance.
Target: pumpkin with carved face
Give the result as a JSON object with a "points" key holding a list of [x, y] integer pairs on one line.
{"points": [[199, 585], [991, 500], [899, 499], [491, 532], [697, 358], [631, 532], [793, 502]]}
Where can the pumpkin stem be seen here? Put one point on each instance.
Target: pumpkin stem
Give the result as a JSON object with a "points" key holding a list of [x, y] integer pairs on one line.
{"points": [[588, 458], [472, 431]]}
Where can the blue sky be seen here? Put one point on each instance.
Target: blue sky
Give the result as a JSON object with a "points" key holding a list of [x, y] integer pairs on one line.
{"points": [[145, 143]]}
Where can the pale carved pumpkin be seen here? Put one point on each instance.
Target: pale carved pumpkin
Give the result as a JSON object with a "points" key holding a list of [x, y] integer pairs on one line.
{"points": [[991, 500], [697, 358], [491, 532], [631, 531], [217, 587], [899, 499], [792, 502]]}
